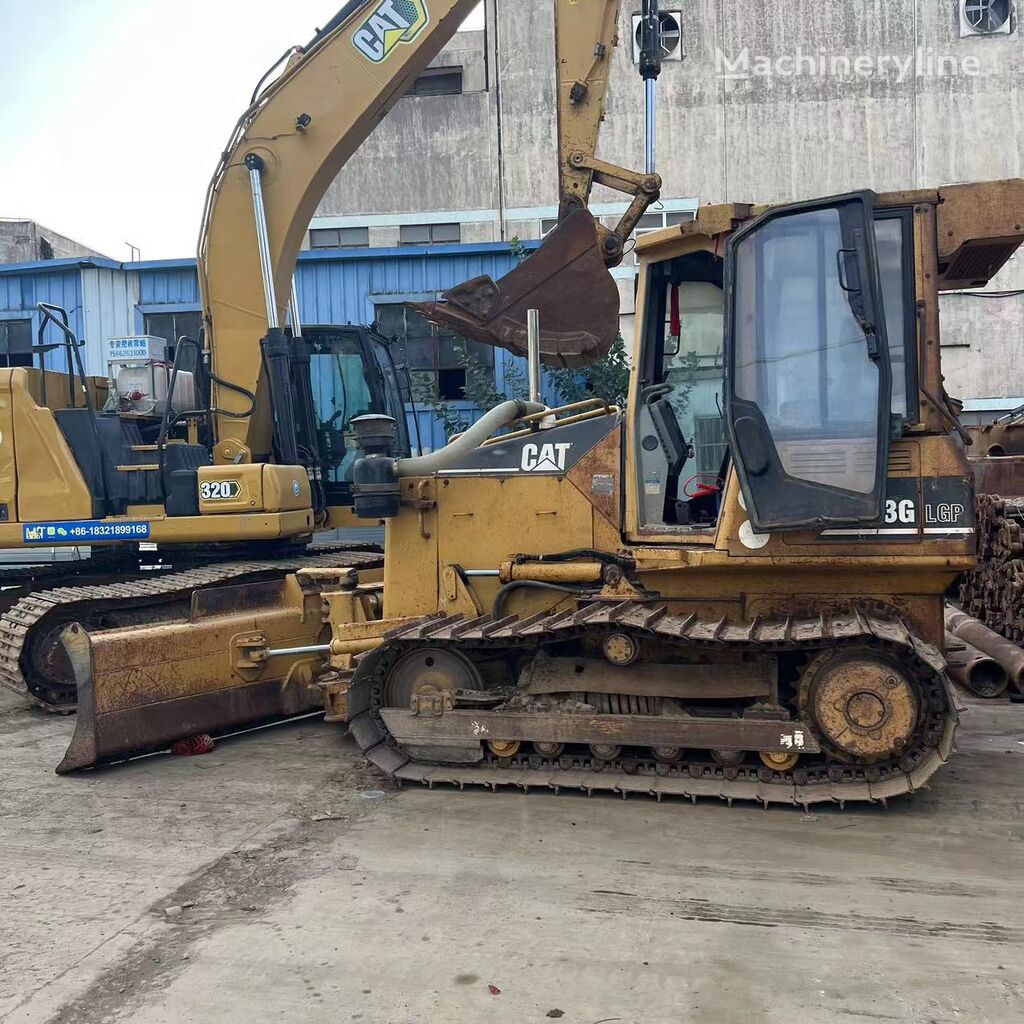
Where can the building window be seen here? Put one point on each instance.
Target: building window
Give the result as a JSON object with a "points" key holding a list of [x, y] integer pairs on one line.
{"points": [[339, 238], [170, 327], [656, 221], [547, 226], [430, 234], [438, 82], [16, 343], [431, 353]]}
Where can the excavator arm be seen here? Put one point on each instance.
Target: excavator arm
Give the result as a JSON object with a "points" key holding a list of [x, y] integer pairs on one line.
{"points": [[299, 132]]}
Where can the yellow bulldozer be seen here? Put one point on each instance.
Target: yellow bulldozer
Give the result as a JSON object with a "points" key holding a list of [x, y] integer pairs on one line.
{"points": [[593, 599], [732, 587]]}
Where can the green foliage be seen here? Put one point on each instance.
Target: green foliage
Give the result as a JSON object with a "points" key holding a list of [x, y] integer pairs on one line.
{"points": [[518, 249], [685, 375], [425, 393], [479, 389], [608, 379]]}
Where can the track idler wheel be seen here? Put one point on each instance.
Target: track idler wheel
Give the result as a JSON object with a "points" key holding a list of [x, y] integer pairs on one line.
{"points": [[862, 706], [428, 672], [605, 751]]}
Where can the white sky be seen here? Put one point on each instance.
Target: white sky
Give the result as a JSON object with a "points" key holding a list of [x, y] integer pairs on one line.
{"points": [[113, 112]]}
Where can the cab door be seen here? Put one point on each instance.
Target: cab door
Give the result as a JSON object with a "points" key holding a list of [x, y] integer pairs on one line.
{"points": [[808, 379]]}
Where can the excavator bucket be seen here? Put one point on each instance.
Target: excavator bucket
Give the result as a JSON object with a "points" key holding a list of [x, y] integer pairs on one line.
{"points": [[566, 279]]}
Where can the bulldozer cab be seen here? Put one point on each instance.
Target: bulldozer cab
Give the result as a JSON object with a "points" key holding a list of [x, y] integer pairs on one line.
{"points": [[782, 343]]}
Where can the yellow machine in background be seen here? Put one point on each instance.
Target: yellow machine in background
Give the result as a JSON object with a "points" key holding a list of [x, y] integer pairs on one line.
{"points": [[225, 462], [582, 603]]}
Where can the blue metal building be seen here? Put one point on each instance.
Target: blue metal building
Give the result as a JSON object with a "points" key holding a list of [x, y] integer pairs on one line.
{"points": [[108, 299]]}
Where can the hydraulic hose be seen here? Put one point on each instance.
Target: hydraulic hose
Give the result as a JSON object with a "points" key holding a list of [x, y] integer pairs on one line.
{"points": [[501, 598], [451, 455]]}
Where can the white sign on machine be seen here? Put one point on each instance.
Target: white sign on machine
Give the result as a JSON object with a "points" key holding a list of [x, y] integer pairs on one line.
{"points": [[138, 375], [140, 346]]}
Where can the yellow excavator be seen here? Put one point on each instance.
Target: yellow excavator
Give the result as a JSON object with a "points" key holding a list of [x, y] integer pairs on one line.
{"points": [[224, 462], [732, 588]]}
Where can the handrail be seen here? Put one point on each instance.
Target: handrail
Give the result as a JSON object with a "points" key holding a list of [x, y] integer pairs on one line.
{"points": [[50, 316], [71, 344], [592, 414]]}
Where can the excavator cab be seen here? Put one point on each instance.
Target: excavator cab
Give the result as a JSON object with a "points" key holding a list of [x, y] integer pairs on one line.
{"points": [[353, 373]]}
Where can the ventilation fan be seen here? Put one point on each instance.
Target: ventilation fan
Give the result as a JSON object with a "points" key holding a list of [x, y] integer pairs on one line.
{"points": [[986, 17], [671, 36]]}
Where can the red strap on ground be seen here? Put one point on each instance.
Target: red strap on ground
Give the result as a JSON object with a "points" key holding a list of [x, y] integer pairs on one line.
{"points": [[193, 745]]}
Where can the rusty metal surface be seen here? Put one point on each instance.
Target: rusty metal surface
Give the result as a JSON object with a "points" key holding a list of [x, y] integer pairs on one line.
{"points": [[995, 440], [104, 736], [594, 675], [862, 703], [999, 475], [566, 279], [814, 780], [1008, 654], [31, 658], [456, 727], [993, 592], [973, 669]]}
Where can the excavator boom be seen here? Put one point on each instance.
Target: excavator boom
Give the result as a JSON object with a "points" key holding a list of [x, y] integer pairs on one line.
{"points": [[298, 134]]}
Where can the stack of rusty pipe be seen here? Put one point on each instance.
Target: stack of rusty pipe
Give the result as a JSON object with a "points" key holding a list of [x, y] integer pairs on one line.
{"points": [[979, 658], [994, 592]]}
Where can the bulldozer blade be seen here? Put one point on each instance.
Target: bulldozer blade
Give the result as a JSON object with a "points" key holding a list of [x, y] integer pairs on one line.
{"points": [[141, 689], [566, 279]]}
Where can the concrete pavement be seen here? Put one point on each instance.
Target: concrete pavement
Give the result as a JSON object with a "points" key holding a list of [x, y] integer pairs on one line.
{"points": [[279, 879]]}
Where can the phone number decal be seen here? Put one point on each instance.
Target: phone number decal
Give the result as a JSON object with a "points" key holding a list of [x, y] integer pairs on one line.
{"points": [[82, 531]]}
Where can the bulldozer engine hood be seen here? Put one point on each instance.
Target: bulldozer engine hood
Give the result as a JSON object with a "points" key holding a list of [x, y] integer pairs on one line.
{"points": [[547, 452]]}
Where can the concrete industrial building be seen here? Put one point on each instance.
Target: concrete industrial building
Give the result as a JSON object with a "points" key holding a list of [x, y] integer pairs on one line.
{"points": [[769, 102], [23, 240]]}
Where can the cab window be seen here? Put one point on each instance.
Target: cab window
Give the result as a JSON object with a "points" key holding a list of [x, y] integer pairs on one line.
{"points": [[682, 433]]}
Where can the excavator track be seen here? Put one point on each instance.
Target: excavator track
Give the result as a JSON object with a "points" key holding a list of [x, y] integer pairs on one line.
{"points": [[32, 661], [817, 778]]}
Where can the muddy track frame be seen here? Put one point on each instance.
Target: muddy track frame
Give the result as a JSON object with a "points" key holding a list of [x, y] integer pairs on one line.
{"points": [[822, 781]]}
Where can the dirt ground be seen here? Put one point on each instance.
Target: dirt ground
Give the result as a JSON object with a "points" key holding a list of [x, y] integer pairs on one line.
{"points": [[280, 879]]}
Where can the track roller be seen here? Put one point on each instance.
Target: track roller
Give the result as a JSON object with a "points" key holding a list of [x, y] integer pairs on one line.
{"points": [[551, 750], [503, 748], [727, 758], [779, 762]]}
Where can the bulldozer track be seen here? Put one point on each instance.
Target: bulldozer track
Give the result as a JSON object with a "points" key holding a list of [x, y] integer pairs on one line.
{"points": [[818, 780], [38, 616]]}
